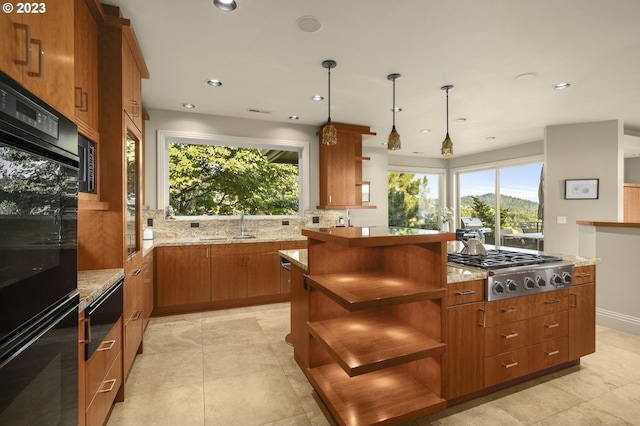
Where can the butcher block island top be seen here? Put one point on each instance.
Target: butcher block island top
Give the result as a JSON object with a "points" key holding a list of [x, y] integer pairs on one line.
{"points": [[373, 342]]}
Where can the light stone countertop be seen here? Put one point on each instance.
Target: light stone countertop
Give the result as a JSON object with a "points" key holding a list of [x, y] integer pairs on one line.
{"points": [[91, 284]]}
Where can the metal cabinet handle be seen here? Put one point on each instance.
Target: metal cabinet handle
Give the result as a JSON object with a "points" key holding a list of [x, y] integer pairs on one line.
{"points": [[136, 316], [111, 382], [40, 72], [552, 325], [584, 275], [136, 273], [575, 300], [27, 45], [465, 292], [103, 345], [510, 335], [553, 352], [551, 302], [86, 322], [483, 323], [510, 365], [84, 105], [78, 97], [510, 310]]}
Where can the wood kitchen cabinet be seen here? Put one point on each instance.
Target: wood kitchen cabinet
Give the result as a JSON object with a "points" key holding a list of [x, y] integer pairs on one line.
{"points": [[87, 16], [131, 85], [582, 312], [341, 168], [148, 286], [132, 314], [631, 202], [183, 275], [464, 359], [374, 334], [37, 50]]}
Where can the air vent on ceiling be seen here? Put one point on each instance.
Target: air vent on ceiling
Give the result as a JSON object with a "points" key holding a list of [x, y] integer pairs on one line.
{"points": [[259, 111]]}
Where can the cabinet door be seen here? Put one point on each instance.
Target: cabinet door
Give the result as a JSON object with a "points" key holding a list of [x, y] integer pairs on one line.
{"points": [[86, 70], [299, 316], [37, 51], [147, 289], [131, 86], [465, 349], [338, 169], [582, 320], [132, 318], [228, 276], [263, 274], [183, 275]]}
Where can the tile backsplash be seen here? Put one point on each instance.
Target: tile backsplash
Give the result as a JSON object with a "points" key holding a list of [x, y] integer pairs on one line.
{"points": [[227, 227]]}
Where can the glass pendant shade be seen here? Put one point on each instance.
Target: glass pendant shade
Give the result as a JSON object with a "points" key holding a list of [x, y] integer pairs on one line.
{"points": [[329, 134], [447, 145], [394, 144]]}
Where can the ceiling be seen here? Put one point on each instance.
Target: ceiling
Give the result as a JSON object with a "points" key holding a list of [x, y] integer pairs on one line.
{"points": [[268, 64]]}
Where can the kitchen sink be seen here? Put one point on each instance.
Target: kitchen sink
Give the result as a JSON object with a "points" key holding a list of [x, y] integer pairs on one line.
{"points": [[243, 237]]}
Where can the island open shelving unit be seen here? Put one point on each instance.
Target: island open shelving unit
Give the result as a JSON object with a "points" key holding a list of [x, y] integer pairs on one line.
{"points": [[375, 329]]}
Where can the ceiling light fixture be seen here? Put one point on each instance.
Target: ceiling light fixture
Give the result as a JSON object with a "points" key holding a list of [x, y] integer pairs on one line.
{"points": [[425, 131], [188, 105], [226, 5], [447, 145], [317, 98], [329, 134], [293, 117], [561, 86], [214, 83], [394, 143]]}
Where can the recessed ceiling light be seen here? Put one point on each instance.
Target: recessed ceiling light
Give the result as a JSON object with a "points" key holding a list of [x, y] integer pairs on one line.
{"points": [[226, 5], [526, 76], [214, 83], [417, 152], [317, 98], [461, 119], [490, 138], [396, 109], [309, 24], [561, 86], [426, 130], [188, 105], [293, 117]]}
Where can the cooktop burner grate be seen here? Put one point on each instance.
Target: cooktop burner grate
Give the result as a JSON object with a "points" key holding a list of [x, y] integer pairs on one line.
{"points": [[498, 259]]}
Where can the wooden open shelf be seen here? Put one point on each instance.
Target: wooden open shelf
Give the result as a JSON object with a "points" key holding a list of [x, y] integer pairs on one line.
{"points": [[356, 291], [388, 396], [370, 341]]}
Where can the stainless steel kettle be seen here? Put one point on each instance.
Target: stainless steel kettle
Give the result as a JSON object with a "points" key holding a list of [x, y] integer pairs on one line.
{"points": [[473, 247]]}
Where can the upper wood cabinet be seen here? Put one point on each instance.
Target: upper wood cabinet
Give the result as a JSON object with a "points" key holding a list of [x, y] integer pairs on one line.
{"points": [[87, 16], [37, 50], [631, 202], [131, 86], [341, 168]]}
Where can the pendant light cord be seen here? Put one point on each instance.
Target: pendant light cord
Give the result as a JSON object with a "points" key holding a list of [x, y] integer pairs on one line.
{"points": [[394, 103], [329, 96], [447, 111]]}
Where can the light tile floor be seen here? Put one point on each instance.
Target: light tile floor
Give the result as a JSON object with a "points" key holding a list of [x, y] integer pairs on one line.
{"points": [[232, 367]]}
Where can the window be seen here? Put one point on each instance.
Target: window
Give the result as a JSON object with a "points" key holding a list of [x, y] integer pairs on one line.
{"points": [[413, 197], [519, 222], [222, 175]]}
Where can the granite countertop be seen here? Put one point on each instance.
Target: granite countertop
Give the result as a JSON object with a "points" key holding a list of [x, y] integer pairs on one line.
{"points": [[211, 240], [91, 284]]}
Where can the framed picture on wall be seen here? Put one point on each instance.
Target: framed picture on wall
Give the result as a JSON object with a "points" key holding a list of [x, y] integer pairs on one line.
{"points": [[581, 189]]}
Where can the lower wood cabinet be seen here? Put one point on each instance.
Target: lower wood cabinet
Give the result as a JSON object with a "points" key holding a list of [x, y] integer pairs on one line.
{"points": [[148, 281], [102, 379], [132, 314], [582, 312], [183, 275]]}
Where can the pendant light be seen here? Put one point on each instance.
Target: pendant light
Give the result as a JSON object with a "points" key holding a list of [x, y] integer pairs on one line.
{"points": [[329, 134], [447, 145], [393, 144]]}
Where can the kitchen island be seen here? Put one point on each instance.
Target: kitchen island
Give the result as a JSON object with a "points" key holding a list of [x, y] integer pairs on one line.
{"points": [[469, 355]]}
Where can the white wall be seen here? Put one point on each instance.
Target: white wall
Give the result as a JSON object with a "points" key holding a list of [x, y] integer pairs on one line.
{"points": [[632, 170], [581, 151]]}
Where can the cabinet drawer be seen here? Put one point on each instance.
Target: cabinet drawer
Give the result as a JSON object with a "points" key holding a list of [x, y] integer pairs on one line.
{"points": [[465, 292], [507, 366], [509, 310], [243, 248], [99, 407], [584, 274], [506, 337], [550, 302], [549, 327], [102, 359]]}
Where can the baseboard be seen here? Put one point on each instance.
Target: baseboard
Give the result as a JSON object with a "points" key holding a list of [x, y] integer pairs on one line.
{"points": [[618, 321]]}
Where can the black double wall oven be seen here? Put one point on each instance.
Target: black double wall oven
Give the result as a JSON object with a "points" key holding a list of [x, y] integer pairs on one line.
{"points": [[38, 261]]}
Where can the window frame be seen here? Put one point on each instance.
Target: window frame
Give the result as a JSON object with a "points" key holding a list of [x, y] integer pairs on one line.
{"points": [[442, 184], [164, 137]]}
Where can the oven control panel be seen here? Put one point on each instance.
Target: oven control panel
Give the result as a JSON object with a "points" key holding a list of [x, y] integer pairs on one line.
{"points": [[520, 281]]}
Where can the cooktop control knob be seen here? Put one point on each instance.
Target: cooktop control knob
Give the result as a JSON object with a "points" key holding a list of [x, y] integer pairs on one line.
{"points": [[540, 282], [529, 283], [566, 277], [511, 286], [498, 287], [556, 279]]}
